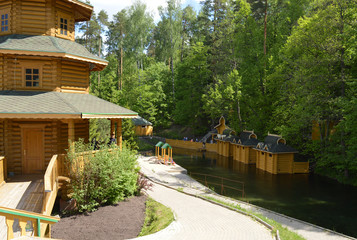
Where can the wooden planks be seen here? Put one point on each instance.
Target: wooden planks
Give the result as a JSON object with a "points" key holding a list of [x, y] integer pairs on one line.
{"points": [[23, 192], [74, 76], [55, 74]]}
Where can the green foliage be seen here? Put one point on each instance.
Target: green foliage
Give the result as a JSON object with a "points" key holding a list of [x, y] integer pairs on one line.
{"points": [[193, 73], [129, 137], [106, 177], [99, 129], [189, 69]]}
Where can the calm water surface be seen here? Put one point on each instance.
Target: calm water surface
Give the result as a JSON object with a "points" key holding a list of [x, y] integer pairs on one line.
{"points": [[308, 197]]}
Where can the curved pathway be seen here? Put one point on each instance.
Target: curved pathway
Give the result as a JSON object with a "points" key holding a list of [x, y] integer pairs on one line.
{"points": [[199, 219], [176, 177]]}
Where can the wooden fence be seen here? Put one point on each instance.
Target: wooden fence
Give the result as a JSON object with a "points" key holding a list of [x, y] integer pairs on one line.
{"points": [[210, 147]]}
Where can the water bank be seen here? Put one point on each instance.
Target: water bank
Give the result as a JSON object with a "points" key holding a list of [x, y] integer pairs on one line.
{"points": [[178, 179]]}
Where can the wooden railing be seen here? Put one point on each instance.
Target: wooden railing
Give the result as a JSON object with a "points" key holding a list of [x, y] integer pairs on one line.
{"points": [[23, 217], [221, 182], [50, 184], [3, 170]]}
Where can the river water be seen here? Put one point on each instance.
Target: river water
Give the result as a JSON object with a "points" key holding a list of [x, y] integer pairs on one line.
{"points": [[308, 197]]}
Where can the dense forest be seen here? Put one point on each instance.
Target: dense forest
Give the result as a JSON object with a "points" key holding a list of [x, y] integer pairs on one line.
{"points": [[278, 66]]}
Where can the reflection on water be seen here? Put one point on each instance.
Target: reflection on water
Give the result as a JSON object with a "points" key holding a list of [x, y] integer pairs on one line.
{"points": [[308, 197]]}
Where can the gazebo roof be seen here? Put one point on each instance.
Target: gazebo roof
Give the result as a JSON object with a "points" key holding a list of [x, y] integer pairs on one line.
{"points": [[36, 104], [166, 145], [139, 121], [48, 46], [159, 144]]}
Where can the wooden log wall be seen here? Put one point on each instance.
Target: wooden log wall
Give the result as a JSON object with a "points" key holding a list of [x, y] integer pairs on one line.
{"points": [[81, 131], [7, 5], [301, 167], [55, 140], [39, 17], [252, 156], [143, 130], [285, 163], [2, 140], [30, 17], [57, 75], [63, 9], [74, 76], [2, 68]]}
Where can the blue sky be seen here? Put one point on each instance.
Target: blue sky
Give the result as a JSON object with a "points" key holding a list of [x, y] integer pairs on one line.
{"points": [[114, 6]]}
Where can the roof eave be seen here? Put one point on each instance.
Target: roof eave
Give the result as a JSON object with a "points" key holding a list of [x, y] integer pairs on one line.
{"points": [[108, 115], [40, 116], [100, 64]]}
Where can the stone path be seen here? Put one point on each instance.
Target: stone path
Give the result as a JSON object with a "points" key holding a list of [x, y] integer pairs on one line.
{"points": [[199, 219], [176, 177]]}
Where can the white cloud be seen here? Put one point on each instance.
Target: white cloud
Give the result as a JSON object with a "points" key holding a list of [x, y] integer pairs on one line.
{"points": [[114, 6]]}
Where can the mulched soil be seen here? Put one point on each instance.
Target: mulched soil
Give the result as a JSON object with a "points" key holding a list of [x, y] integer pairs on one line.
{"points": [[121, 221]]}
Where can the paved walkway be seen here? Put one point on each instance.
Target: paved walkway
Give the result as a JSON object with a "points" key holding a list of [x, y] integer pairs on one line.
{"points": [[192, 213]]}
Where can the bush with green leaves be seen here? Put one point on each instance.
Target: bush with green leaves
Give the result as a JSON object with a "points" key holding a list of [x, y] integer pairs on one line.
{"points": [[101, 177]]}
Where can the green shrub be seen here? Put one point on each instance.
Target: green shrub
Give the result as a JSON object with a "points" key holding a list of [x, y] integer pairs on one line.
{"points": [[102, 177]]}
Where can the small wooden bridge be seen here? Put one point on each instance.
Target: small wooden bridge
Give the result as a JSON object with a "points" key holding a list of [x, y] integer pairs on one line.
{"points": [[26, 201]]}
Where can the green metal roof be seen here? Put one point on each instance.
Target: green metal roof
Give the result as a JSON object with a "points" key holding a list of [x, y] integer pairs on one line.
{"points": [[35, 102], [49, 44], [166, 145], [139, 121], [159, 144]]}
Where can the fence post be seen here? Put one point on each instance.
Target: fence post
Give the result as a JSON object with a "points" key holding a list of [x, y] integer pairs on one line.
{"points": [[206, 181], [221, 186]]}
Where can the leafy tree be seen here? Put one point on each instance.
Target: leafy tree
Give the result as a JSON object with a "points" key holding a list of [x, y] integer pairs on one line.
{"points": [[193, 75]]}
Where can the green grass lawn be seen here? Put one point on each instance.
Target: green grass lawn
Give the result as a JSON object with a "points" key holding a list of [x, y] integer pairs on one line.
{"points": [[157, 217]]}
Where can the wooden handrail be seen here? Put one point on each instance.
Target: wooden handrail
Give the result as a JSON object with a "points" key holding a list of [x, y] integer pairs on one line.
{"points": [[50, 184], [24, 216], [221, 184], [3, 170]]}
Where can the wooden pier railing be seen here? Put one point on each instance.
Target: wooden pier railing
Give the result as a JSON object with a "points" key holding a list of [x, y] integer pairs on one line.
{"points": [[39, 221], [3, 170], [223, 183]]}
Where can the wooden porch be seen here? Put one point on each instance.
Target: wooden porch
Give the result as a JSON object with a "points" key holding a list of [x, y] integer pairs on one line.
{"points": [[26, 202], [23, 192]]}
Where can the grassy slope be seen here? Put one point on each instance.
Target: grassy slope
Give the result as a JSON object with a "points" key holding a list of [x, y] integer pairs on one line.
{"points": [[157, 217]]}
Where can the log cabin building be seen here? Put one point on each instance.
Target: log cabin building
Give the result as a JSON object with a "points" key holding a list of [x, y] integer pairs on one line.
{"points": [[44, 94], [44, 83], [142, 127], [243, 147], [274, 156]]}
